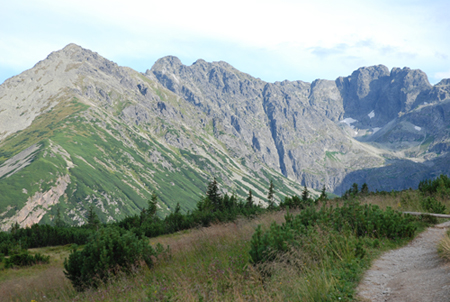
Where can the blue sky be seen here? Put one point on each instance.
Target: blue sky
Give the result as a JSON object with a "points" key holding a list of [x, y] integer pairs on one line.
{"points": [[271, 40]]}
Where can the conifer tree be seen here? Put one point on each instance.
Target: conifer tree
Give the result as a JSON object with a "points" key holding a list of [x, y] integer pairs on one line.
{"points": [[305, 194], [177, 209], [270, 196], [150, 211], [152, 204], [323, 194], [364, 189], [92, 219], [14, 227], [213, 195], [58, 219], [355, 188], [249, 203]]}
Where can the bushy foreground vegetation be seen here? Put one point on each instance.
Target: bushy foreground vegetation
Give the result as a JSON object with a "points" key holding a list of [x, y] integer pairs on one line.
{"points": [[25, 259], [352, 218], [318, 252], [109, 251]]}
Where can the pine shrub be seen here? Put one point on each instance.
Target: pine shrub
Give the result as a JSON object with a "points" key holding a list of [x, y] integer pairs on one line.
{"points": [[432, 205], [353, 217], [109, 251], [25, 259]]}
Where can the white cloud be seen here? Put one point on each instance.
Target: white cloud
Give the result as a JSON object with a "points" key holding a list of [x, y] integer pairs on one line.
{"points": [[273, 40], [442, 75]]}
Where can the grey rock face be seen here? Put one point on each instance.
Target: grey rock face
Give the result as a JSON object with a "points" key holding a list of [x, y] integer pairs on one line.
{"points": [[326, 98], [289, 126], [361, 93], [374, 96], [280, 120]]}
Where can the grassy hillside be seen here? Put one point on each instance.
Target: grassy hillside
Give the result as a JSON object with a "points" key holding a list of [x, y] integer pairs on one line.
{"points": [[89, 156], [214, 263]]}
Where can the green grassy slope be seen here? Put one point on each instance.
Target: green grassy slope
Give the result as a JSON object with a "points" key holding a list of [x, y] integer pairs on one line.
{"points": [[117, 166]]}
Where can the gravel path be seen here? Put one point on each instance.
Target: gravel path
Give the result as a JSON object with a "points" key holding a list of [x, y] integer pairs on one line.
{"points": [[414, 273]]}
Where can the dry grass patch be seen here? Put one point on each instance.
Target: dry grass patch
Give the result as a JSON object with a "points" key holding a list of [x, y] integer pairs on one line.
{"points": [[36, 283], [444, 247], [205, 261]]}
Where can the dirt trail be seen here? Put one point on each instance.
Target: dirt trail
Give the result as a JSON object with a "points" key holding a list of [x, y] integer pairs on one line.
{"points": [[414, 273]]}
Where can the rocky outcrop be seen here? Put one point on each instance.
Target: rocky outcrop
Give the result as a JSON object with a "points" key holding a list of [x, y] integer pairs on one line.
{"points": [[18, 161], [374, 96], [38, 205]]}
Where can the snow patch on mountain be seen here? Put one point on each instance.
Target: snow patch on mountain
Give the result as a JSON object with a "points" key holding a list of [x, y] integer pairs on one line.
{"points": [[376, 129], [349, 121]]}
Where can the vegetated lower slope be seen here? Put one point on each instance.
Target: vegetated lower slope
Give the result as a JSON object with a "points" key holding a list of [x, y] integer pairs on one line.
{"points": [[77, 128], [323, 259], [109, 136]]}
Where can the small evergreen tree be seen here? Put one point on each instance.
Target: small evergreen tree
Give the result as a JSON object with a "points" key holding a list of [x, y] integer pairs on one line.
{"points": [[305, 194], [364, 189], [175, 220], [229, 202], [213, 195], [14, 228], [270, 197], [150, 211], [323, 195], [152, 204], [249, 203], [355, 190], [93, 221], [58, 221]]}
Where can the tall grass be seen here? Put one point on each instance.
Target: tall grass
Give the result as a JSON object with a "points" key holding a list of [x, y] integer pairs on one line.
{"points": [[212, 264], [405, 201], [39, 282], [444, 247]]}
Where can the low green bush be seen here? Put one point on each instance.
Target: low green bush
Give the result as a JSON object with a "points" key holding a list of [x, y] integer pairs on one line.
{"points": [[353, 217], [109, 250], [432, 205], [25, 259]]}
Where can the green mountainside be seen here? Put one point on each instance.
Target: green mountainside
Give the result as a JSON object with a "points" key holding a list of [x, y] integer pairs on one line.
{"points": [[77, 129]]}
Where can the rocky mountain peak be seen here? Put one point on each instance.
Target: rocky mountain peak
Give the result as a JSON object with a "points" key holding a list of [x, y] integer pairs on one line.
{"points": [[411, 77], [166, 64], [444, 82], [361, 79], [72, 52], [72, 47], [202, 63]]}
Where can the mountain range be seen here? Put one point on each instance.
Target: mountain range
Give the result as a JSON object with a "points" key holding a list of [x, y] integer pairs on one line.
{"points": [[77, 129]]}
